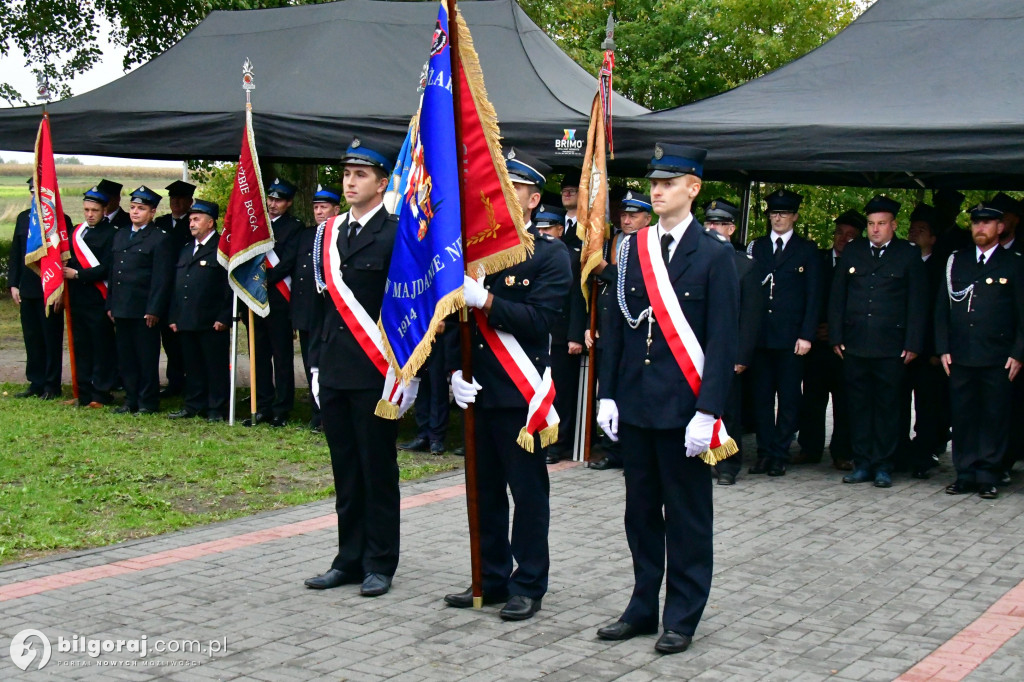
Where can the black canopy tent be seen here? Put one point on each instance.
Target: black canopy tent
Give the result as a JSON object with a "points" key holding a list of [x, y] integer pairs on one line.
{"points": [[914, 93], [323, 74]]}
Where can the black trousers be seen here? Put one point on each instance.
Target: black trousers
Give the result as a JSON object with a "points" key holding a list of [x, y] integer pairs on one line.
{"points": [[138, 357], [733, 422], [365, 465], [565, 374], [275, 370], [432, 409], [95, 352], [777, 373], [874, 387], [669, 512], [502, 466], [823, 376], [981, 401], [175, 369], [304, 349], [929, 387], [44, 345], [207, 372]]}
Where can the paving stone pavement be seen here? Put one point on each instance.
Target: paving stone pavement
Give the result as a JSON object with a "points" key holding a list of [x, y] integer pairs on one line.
{"points": [[814, 580]]}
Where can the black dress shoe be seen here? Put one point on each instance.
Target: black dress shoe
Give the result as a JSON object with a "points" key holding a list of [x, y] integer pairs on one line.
{"points": [[1005, 479], [777, 468], [464, 600], [519, 607], [49, 395], [215, 418], [620, 630], [332, 578], [27, 393], [988, 492], [672, 642], [124, 409], [279, 421], [437, 447], [459, 451], [145, 410], [375, 584], [415, 445], [605, 463], [103, 398], [252, 420], [760, 466], [183, 414], [552, 458], [726, 479], [959, 487]]}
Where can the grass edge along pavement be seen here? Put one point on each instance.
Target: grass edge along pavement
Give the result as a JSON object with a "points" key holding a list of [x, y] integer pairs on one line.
{"points": [[75, 478]]}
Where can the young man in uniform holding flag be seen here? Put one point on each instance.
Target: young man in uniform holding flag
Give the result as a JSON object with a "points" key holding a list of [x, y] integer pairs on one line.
{"points": [[668, 365], [351, 259], [515, 309], [88, 280]]}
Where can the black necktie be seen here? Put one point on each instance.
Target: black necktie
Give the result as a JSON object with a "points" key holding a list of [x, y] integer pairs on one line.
{"points": [[876, 251], [353, 227], [778, 245], [666, 241], [981, 260]]}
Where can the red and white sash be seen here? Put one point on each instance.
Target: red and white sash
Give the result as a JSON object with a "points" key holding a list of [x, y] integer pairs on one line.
{"points": [[363, 327], [683, 343], [285, 285], [539, 391], [85, 256]]}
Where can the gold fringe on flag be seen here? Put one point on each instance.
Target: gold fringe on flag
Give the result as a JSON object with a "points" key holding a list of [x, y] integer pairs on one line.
{"points": [[386, 409], [592, 221], [470, 63], [721, 453], [445, 307]]}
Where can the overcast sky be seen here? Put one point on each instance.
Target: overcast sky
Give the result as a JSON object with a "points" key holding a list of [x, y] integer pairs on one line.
{"points": [[109, 68]]}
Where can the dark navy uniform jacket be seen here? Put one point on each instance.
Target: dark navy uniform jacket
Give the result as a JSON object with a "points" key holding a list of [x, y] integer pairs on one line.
{"points": [[657, 395], [364, 267], [751, 309], [142, 273], [82, 290], [286, 231], [985, 329], [18, 274], [878, 306], [178, 233], [793, 305], [573, 321], [202, 295], [303, 282]]}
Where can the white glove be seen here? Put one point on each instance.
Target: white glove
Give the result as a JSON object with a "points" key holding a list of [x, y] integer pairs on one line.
{"points": [[474, 292], [464, 392], [698, 433], [608, 417], [314, 384], [408, 396]]}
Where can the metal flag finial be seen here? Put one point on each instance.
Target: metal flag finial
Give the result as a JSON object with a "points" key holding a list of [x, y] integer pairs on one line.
{"points": [[42, 87], [609, 33], [248, 80]]}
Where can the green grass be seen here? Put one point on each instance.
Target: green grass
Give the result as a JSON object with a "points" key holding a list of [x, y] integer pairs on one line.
{"points": [[75, 478]]}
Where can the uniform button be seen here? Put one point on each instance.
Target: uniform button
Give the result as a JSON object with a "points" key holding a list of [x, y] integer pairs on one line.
{"points": [[686, 293], [481, 345], [632, 288]]}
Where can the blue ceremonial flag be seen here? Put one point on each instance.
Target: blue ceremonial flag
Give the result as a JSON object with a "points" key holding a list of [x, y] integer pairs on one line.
{"points": [[399, 177], [425, 279]]}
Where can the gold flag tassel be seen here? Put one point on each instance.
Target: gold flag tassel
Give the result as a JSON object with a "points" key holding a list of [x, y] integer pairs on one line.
{"points": [[386, 409], [723, 452]]}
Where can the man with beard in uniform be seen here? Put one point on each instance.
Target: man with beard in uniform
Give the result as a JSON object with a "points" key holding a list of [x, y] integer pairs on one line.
{"points": [[876, 325], [523, 301], [634, 215], [326, 204], [823, 373], [113, 212], [176, 225], [721, 216], [275, 351], [979, 334], [141, 284], [790, 271], [354, 253], [87, 275], [676, 281], [42, 329], [566, 335]]}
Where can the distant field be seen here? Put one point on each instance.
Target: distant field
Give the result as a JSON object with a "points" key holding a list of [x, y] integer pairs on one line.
{"points": [[73, 181]]}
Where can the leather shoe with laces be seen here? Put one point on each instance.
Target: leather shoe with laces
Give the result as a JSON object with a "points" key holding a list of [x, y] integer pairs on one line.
{"points": [[760, 466], [27, 393], [332, 578], [124, 409], [621, 630], [255, 419], [777, 468], [415, 445], [278, 421], [437, 447], [519, 607], [604, 464], [988, 492], [858, 476], [375, 584], [464, 600], [959, 487], [672, 642]]}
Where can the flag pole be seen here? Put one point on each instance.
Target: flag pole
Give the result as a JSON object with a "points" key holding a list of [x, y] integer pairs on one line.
{"points": [[465, 334], [249, 86], [233, 359]]}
